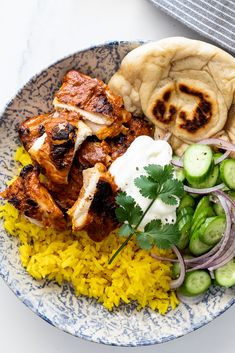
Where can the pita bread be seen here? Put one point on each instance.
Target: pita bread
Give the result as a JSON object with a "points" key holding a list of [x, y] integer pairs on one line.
{"points": [[181, 85]]}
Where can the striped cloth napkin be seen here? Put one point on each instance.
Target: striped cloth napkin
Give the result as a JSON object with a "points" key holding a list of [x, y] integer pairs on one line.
{"points": [[214, 19]]}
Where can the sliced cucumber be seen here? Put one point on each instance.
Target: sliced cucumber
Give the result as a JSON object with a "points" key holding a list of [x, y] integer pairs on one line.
{"points": [[198, 161], [205, 213], [217, 155], [175, 270], [186, 211], [195, 283], [203, 203], [210, 180], [218, 209], [212, 230], [227, 172], [196, 246], [184, 227], [225, 275], [186, 200], [231, 194]]}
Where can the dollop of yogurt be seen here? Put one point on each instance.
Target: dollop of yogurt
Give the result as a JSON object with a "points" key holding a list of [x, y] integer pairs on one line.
{"points": [[125, 169]]}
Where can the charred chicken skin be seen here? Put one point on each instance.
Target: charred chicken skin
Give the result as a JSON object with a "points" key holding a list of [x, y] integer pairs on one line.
{"points": [[66, 195], [32, 199], [54, 147], [94, 210], [102, 110]]}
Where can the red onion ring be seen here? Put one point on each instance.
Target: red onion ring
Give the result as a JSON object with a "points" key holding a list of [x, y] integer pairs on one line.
{"points": [[179, 281], [226, 196], [223, 157], [177, 163], [204, 257], [225, 238], [225, 145], [190, 300], [229, 255], [163, 258], [203, 191]]}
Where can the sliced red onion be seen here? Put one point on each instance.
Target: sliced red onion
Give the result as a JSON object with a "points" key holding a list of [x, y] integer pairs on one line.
{"points": [[177, 163], [225, 145], [190, 300], [176, 283], [163, 258], [204, 257], [223, 157], [226, 196], [225, 238], [203, 191], [227, 256]]}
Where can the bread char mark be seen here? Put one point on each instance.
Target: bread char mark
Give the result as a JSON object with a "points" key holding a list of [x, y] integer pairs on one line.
{"points": [[166, 114], [202, 114]]}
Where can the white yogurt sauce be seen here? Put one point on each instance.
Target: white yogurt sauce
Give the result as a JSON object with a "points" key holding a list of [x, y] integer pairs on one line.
{"points": [[143, 151]]}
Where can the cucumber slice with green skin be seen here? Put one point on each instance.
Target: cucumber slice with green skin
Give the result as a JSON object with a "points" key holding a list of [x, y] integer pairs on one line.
{"points": [[205, 213], [176, 267], [198, 161], [175, 270], [217, 155], [225, 275], [196, 246], [202, 204], [187, 200], [195, 283], [210, 181], [218, 209], [179, 174], [227, 172], [212, 230], [184, 226], [231, 195], [186, 211]]}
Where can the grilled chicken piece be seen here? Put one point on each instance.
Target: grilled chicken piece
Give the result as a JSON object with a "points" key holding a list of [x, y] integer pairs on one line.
{"points": [[103, 131], [61, 135], [31, 198], [94, 101], [33, 128], [94, 210], [66, 195], [136, 127], [92, 152]]}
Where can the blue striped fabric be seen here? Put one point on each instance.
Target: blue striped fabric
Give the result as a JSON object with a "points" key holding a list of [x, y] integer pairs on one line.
{"points": [[214, 19]]}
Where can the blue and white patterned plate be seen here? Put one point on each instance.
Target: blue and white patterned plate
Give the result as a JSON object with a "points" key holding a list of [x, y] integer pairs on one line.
{"points": [[83, 317]]}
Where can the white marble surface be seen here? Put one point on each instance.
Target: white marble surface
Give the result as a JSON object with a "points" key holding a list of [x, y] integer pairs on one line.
{"points": [[34, 34]]}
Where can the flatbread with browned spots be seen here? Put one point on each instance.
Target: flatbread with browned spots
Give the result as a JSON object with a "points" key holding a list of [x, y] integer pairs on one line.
{"points": [[181, 85]]}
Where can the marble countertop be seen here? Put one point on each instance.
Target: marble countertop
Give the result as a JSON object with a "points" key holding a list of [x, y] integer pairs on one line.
{"points": [[34, 34]]}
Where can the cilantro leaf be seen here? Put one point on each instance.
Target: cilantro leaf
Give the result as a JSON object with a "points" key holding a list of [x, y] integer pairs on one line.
{"points": [[170, 191], [163, 236], [128, 211], [147, 187], [144, 240], [158, 183], [125, 230], [158, 173]]}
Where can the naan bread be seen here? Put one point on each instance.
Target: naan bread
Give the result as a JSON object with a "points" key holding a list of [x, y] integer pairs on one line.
{"points": [[181, 85]]}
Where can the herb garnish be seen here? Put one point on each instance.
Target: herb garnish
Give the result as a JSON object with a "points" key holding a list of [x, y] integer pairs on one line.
{"points": [[158, 183]]}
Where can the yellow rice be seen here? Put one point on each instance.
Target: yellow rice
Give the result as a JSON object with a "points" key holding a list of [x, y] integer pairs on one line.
{"points": [[63, 256]]}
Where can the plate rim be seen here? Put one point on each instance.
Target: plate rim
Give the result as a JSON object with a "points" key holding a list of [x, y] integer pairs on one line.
{"points": [[36, 310]]}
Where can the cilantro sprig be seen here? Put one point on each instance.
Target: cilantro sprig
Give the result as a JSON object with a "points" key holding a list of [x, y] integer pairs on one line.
{"points": [[158, 183]]}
